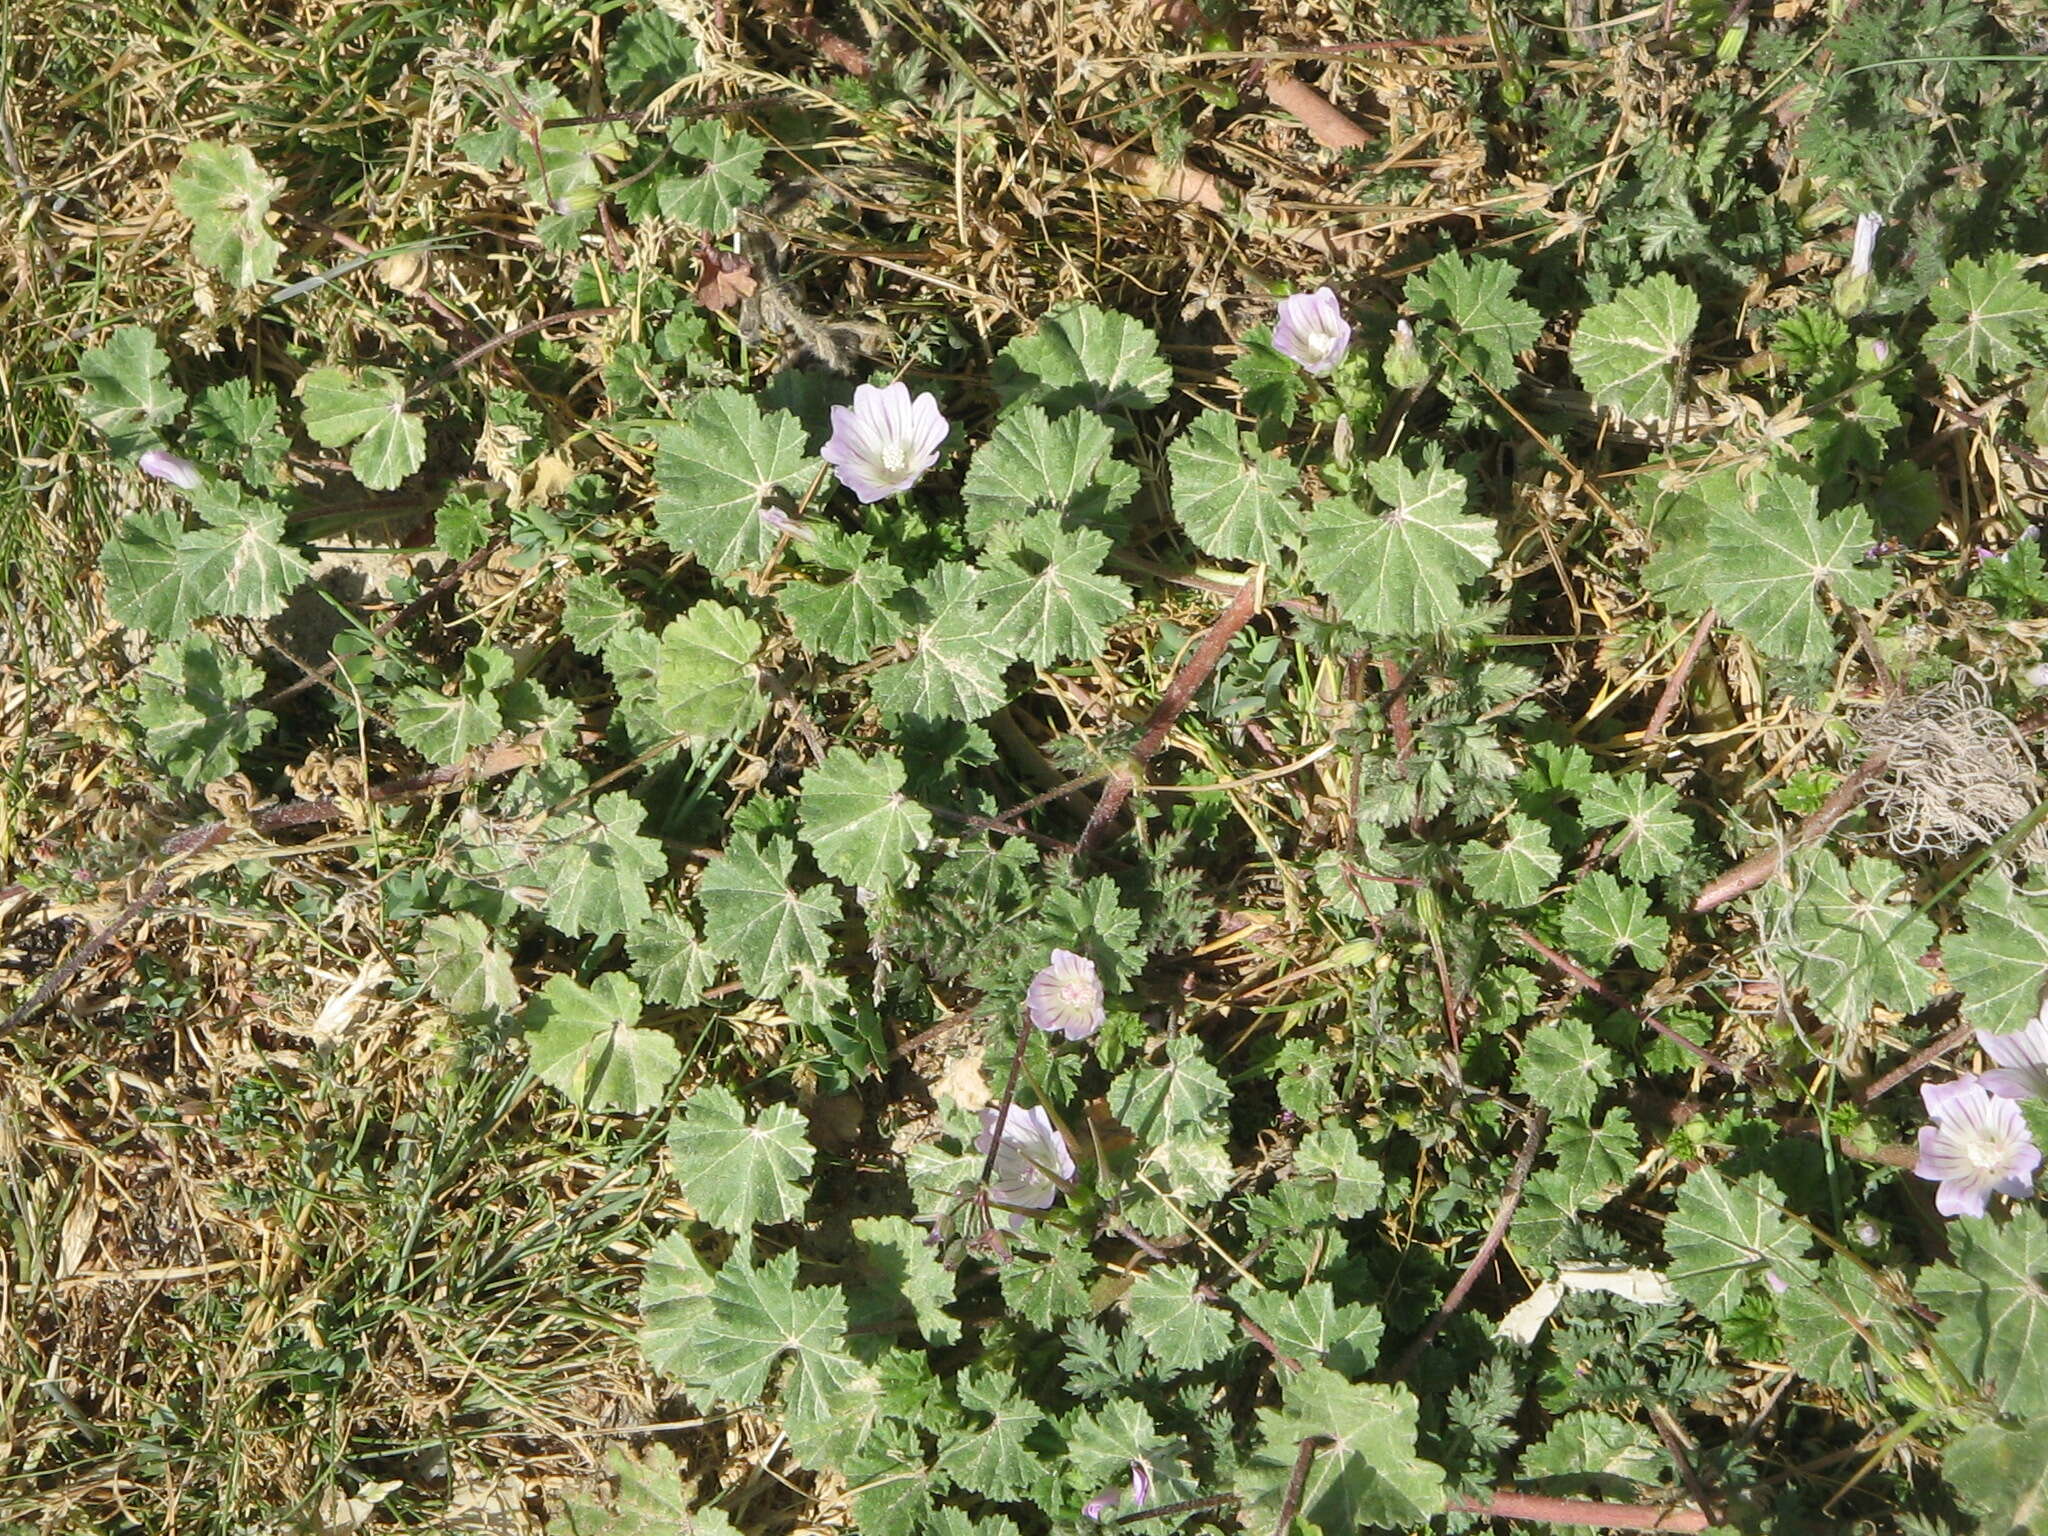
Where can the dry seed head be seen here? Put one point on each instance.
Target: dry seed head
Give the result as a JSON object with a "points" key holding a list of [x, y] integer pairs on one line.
{"points": [[1957, 774]]}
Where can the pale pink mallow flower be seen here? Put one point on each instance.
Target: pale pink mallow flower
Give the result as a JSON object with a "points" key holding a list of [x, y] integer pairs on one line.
{"points": [[1311, 329], [159, 465], [1032, 1163], [2022, 1057], [1066, 997], [1111, 1499], [1977, 1145], [885, 441]]}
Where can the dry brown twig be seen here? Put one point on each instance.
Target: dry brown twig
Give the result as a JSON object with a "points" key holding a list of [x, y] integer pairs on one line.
{"points": [[1326, 123], [1919, 1061], [1759, 867], [1511, 1198], [1179, 694]]}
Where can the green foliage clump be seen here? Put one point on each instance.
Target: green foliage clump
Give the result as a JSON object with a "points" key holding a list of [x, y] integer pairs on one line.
{"points": [[1370, 737]]}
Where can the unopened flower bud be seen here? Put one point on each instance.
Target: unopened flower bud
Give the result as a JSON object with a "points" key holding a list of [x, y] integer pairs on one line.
{"points": [[159, 465], [1403, 363], [1854, 286]]}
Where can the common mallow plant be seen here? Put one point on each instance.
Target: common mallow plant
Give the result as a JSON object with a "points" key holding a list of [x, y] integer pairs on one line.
{"points": [[885, 441], [1977, 1146]]}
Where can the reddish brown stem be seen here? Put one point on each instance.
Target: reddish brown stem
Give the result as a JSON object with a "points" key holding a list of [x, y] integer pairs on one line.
{"points": [[1676, 1443], [1674, 686], [850, 57], [1577, 973], [1511, 1197], [1172, 704], [1396, 684], [1962, 1034], [1508, 1505], [1759, 867], [1266, 1342], [995, 1132], [1183, 1507], [1297, 1483]]}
